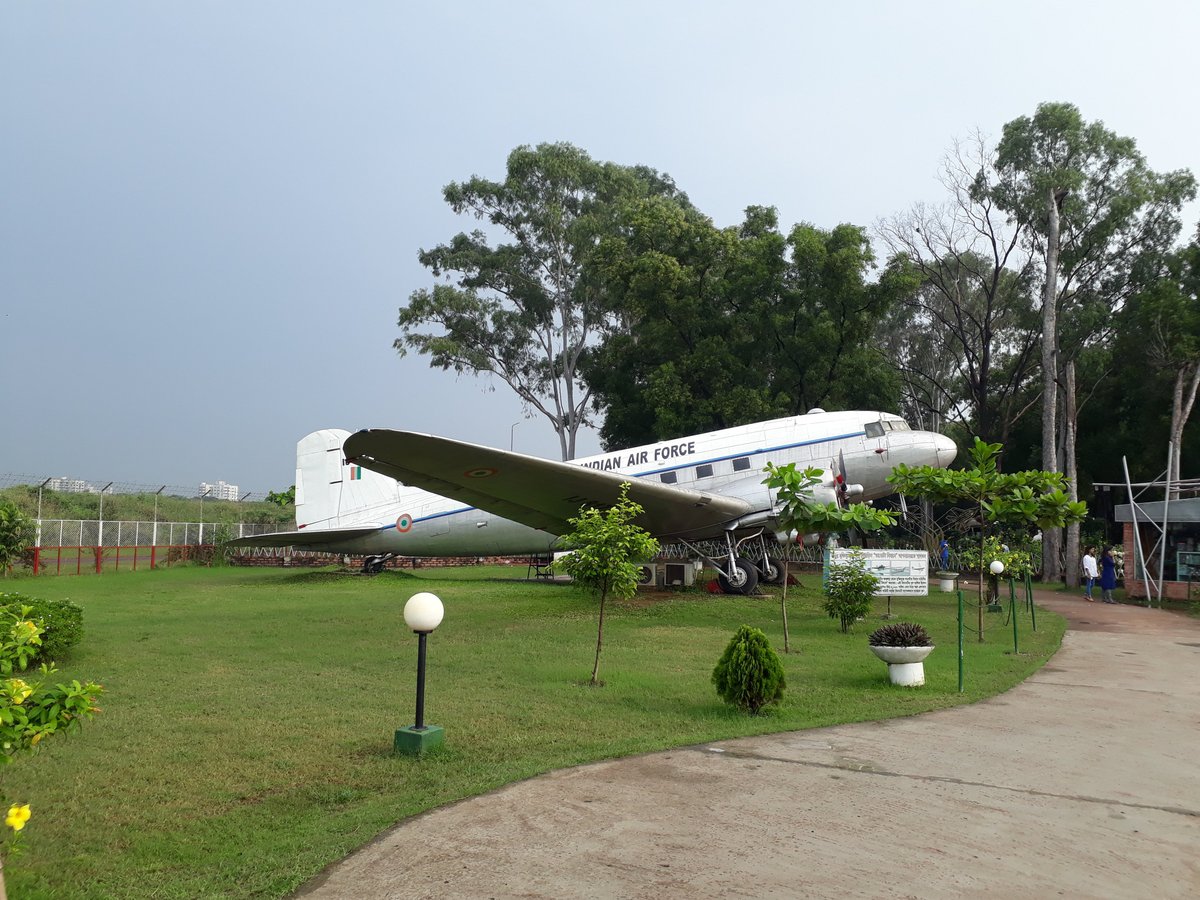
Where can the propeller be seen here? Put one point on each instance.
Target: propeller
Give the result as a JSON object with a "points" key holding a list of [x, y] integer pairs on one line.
{"points": [[840, 481]]}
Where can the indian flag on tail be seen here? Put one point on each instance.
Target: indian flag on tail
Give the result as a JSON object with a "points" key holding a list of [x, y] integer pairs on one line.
{"points": [[356, 473]]}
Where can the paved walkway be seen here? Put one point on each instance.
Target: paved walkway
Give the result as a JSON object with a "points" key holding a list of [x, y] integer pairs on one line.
{"points": [[1082, 782]]}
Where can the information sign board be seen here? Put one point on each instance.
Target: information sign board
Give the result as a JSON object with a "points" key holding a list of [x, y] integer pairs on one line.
{"points": [[901, 573]]}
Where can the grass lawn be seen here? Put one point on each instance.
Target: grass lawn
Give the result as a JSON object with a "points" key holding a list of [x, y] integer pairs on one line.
{"points": [[248, 714]]}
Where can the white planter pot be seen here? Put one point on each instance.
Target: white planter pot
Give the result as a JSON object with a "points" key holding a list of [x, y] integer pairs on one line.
{"points": [[906, 665], [946, 581]]}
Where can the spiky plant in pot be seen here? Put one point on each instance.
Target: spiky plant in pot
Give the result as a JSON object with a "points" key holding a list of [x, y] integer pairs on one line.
{"points": [[900, 634]]}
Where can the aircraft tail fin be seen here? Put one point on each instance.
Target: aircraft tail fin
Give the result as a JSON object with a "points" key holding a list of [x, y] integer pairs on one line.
{"points": [[333, 494]]}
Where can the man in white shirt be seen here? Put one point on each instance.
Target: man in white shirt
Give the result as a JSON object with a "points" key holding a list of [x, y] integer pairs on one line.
{"points": [[1090, 573]]}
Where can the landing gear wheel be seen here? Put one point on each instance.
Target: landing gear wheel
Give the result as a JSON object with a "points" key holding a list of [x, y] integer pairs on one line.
{"points": [[772, 571], [742, 580]]}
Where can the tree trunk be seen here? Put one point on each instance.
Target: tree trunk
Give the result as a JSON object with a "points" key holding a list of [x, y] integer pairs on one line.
{"points": [[1181, 411], [599, 638], [787, 556], [1051, 537], [1070, 431]]}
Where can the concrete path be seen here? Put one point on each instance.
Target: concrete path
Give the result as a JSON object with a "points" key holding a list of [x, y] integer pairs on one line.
{"points": [[1082, 782]]}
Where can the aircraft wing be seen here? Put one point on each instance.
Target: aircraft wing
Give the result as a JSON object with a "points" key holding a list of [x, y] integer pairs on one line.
{"points": [[537, 492], [313, 537]]}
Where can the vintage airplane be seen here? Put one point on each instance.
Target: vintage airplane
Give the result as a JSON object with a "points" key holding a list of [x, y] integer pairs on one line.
{"points": [[383, 493]]}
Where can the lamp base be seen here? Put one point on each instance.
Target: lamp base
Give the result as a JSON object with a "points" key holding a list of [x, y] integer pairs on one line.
{"points": [[412, 741]]}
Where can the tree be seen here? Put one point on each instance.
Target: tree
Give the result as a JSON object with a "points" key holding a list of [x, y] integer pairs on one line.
{"points": [[797, 511], [523, 310], [605, 545], [749, 674], [16, 533], [728, 326], [1099, 218], [1163, 328], [1030, 498], [963, 341], [849, 590]]}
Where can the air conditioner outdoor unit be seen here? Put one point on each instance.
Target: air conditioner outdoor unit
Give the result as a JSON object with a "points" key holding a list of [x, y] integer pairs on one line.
{"points": [[678, 574]]}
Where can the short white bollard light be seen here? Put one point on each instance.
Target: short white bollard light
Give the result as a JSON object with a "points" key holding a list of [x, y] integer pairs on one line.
{"points": [[422, 613]]}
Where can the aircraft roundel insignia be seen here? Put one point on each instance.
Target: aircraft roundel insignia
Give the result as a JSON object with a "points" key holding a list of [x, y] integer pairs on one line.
{"points": [[404, 523], [483, 472]]}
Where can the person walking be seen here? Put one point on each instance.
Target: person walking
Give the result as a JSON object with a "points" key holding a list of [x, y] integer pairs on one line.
{"points": [[1108, 575], [1090, 574], [944, 555]]}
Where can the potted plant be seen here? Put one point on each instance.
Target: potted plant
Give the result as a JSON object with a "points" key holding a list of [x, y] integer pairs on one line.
{"points": [[903, 646]]}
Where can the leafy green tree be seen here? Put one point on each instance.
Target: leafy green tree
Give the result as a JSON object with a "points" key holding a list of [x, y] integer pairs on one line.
{"points": [[749, 674], [728, 326], [16, 533], [1162, 328], [797, 510], [606, 546], [1100, 219], [849, 590], [524, 310], [1031, 498]]}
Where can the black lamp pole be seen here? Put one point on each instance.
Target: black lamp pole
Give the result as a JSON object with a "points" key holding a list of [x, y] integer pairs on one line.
{"points": [[421, 638]]}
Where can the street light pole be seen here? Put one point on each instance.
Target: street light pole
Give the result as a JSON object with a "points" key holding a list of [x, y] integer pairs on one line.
{"points": [[422, 613], [511, 432]]}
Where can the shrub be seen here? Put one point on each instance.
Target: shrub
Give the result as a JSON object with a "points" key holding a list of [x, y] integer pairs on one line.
{"points": [[749, 674], [900, 634], [61, 622], [848, 591]]}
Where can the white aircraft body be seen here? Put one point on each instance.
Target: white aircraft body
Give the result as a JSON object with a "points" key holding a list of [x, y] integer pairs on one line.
{"points": [[385, 493]]}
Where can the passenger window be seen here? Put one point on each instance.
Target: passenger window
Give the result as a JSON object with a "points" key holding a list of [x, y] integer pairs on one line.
{"points": [[668, 477], [704, 471], [874, 429], [741, 464]]}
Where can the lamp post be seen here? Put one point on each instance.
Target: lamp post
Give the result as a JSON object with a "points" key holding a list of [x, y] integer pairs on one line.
{"points": [[512, 430], [996, 568], [422, 613]]}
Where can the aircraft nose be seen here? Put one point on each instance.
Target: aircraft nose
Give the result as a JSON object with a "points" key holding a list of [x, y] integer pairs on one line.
{"points": [[946, 450]]}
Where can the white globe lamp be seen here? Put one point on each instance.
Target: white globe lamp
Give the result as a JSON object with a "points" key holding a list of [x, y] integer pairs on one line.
{"points": [[423, 612]]}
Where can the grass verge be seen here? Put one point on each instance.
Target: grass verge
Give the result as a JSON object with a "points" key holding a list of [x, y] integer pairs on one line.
{"points": [[245, 739]]}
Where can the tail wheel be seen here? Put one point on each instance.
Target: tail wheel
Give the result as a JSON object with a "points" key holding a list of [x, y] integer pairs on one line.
{"points": [[743, 579]]}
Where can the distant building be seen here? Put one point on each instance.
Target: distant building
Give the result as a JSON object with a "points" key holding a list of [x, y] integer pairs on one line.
{"points": [[219, 491], [70, 485]]}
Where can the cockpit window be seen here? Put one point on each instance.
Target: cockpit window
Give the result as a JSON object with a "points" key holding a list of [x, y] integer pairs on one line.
{"points": [[896, 425], [874, 429]]}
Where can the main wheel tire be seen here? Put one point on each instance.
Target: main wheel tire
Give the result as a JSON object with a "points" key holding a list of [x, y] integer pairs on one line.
{"points": [[772, 571], [742, 580]]}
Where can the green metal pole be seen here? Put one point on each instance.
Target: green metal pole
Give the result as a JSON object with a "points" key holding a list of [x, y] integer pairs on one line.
{"points": [[960, 641], [1012, 610], [1029, 594]]}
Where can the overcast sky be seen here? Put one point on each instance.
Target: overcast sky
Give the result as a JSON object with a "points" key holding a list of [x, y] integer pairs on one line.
{"points": [[210, 213]]}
